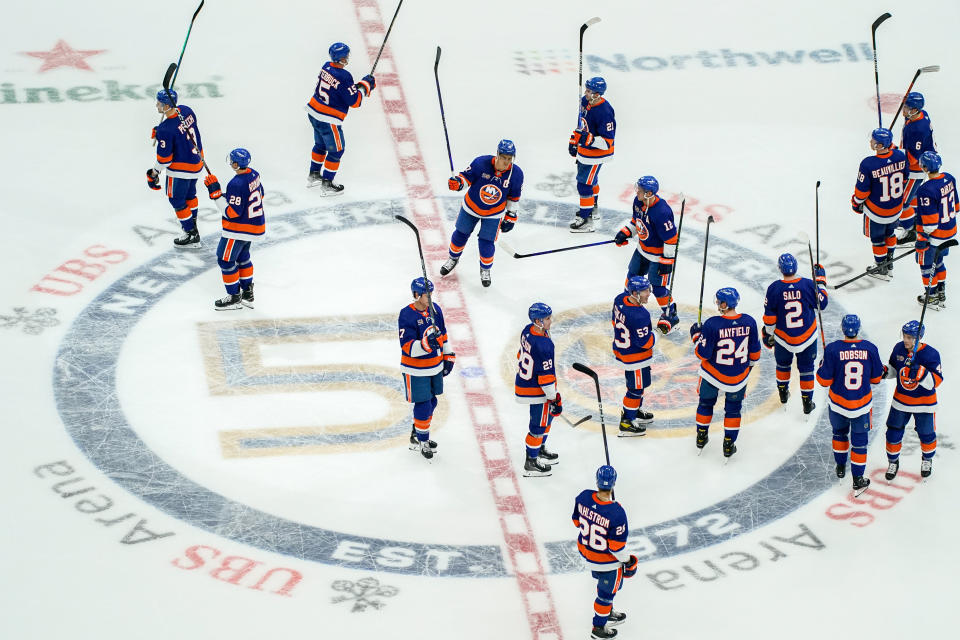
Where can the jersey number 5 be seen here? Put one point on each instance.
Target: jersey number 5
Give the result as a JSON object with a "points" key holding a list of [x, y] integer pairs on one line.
{"points": [[593, 535]]}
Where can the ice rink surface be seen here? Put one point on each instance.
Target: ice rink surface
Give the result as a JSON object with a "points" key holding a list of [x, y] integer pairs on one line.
{"points": [[173, 471]]}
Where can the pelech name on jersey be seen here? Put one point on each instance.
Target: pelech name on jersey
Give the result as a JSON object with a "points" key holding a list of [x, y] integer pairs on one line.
{"points": [[890, 168], [857, 354], [734, 332], [593, 516], [329, 79], [186, 124]]}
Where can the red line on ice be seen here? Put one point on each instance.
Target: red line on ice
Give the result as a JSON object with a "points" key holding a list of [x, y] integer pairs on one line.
{"points": [[517, 533]]}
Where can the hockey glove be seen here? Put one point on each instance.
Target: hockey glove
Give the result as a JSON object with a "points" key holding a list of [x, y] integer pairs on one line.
{"points": [[508, 222], [856, 206], [668, 319], [820, 273], [430, 340], [153, 134], [572, 150], [630, 566], [768, 340], [370, 80], [556, 407], [573, 143], [448, 360], [910, 380], [153, 179], [213, 187], [621, 238], [695, 331], [455, 183]]}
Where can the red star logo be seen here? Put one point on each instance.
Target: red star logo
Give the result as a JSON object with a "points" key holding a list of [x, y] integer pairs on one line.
{"points": [[63, 55]]}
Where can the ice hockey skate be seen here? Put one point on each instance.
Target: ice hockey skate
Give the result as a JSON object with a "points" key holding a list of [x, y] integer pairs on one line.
{"points": [[841, 470], [615, 618], [246, 297], [581, 225], [892, 469], [426, 450], [784, 392], [926, 468], [550, 457], [314, 179], [808, 404], [932, 300], [880, 271], [729, 448], [228, 303], [415, 444], [905, 236], [533, 468], [449, 266], [601, 633], [860, 485], [188, 240], [485, 277], [702, 439]]}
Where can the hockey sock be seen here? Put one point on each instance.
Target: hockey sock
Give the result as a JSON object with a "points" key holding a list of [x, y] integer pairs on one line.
{"points": [[731, 427], [246, 274], [317, 156], [457, 242], [422, 415], [330, 168], [894, 438], [539, 423], [840, 448], [705, 413], [806, 384], [928, 444], [486, 253], [586, 199], [231, 280], [858, 453], [732, 406], [631, 402]]}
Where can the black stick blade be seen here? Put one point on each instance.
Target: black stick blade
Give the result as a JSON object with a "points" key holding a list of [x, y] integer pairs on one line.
{"points": [[408, 223], [436, 63], [946, 245], [879, 21], [197, 11], [169, 75], [710, 219], [582, 368]]}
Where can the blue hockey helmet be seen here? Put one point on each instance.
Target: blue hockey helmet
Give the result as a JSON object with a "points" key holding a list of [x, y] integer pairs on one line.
{"points": [[338, 51], [787, 264], [850, 325], [506, 147], [241, 156], [648, 183], [637, 283], [421, 286], [596, 84], [167, 97], [729, 297], [931, 161], [606, 477], [883, 136], [539, 311], [914, 100], [912, 328]]}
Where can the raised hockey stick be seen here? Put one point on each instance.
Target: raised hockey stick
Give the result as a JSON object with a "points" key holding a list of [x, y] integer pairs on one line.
{"points": [[576, 424], [816, 289], [506, 246], [876, 72], [673, 271], [582, 368], [168, 80], [443, 118], [932, 68], [384, 43], [583, 29], [703, 272], [816, 206], [423, 264]]}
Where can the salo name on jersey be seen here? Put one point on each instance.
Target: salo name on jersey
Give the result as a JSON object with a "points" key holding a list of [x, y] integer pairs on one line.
{"points": [[792, 294], [888, 169], [593, 516]]}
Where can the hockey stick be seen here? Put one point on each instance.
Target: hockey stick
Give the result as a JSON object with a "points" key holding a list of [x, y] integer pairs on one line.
{"points": [[703, 273], [673, 271], [443, 118], [582, 368], [169, 81], [389, 29], [930, 69], [816, 205], [876, 72], [543, 253], [423, 264], [916, 343], [576, 424], [583, 29], [869, 271], [816, 289]]}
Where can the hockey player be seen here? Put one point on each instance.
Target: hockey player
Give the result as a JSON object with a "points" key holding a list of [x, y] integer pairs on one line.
{"points": [[180, 152], [334, 95], [426, 357], [916, 366], [656, 247], [728, 346], [880, 188], [591, 144], [848, 368], [916, 138], [536, 385], [602, 543], [633, 341], [495, 183], [937, 207], [242, 221], [790, 325]]}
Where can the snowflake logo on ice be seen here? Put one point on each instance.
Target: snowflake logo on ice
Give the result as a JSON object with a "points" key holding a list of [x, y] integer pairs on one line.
{"points": [[32, 323], [361, 592]]}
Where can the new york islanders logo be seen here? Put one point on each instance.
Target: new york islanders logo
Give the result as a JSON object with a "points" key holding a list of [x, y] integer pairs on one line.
{"points": [[490, 194], [642, 232]]}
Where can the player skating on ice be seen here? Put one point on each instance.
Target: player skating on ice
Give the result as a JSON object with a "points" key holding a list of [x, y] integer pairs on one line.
{"points": [[602, 543], [656, 251], [937, 206], [242, 220], [536, 385], [494, 184], [790, 325], [916, 366], [426, 357], [591, 143], [848, 368], [878, 196], [180, 152], [333, 97], [633, 341], [915, 139], [728, 346]]}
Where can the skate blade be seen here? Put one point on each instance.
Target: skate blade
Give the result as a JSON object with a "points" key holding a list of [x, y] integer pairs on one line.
{"points": [[537, 474], [191, 247], [700, 450], [932, 306], [552, 463], [581, 230], [628, 434], [330, 194], [726, 460], [857, 492], [230, 308], [248, 305], [877, 276]]}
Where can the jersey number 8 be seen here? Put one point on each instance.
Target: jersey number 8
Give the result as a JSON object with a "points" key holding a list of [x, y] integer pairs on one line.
{"points": [[853, 375]]}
